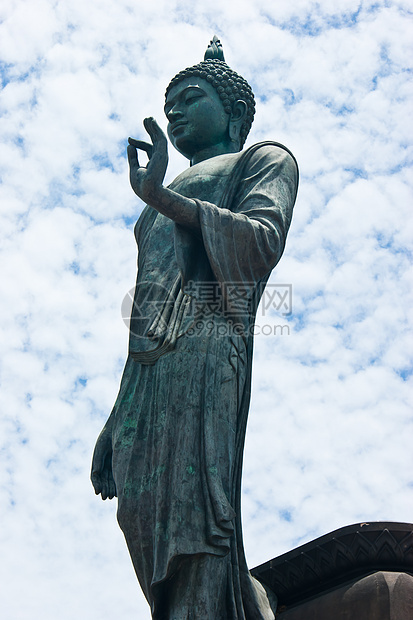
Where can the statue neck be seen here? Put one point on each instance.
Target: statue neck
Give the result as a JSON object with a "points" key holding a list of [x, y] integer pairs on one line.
{"points": [[213, 151]]}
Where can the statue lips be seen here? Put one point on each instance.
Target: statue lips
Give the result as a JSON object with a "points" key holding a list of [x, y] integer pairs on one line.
{"points": [[177, 125]]}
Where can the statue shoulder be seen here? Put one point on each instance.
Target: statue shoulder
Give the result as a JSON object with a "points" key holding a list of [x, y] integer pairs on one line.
{"points": [[271, 151], [271, 154]]}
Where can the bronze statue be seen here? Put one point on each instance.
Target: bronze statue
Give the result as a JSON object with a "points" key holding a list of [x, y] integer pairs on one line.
{"points": [[172, 447]]}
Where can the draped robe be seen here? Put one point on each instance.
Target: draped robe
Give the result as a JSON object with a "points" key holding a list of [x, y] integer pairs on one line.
{"points": [[178, 424]]}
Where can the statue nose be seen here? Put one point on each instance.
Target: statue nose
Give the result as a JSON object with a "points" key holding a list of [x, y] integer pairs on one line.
{"points": [[174, 114]]}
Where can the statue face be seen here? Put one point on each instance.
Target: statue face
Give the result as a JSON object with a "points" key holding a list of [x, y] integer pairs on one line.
{"points": [[197, 119]]}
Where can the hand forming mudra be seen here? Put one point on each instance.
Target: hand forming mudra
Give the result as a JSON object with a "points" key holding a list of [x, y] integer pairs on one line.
{"points": [[146, 181]]}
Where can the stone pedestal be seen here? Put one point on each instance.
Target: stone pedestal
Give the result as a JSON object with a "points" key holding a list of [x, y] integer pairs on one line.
{"points": [[359, 572], [380, 596]]}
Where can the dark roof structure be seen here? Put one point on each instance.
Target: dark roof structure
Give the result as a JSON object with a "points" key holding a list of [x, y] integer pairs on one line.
{"points": [[332, 560]]}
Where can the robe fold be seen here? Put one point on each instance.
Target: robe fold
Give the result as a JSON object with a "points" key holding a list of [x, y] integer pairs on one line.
{"points": [[178, 424]]}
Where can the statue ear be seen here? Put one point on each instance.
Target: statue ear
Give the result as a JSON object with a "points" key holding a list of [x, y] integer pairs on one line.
{"points": [[239, 111], [238, 114]]}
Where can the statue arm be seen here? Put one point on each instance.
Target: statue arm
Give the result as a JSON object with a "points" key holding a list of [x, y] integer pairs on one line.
{"points": [[181, 210]]}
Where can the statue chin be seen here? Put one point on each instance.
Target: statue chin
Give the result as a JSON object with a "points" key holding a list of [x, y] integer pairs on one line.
{"points": [[183, 150]]}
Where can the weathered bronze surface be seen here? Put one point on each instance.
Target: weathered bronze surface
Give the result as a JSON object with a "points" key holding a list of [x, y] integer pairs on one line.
{"points": [[172, 447]]}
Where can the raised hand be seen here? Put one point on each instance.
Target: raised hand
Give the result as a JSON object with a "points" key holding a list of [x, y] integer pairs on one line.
{"points": [[102, 476], [146, 181]]}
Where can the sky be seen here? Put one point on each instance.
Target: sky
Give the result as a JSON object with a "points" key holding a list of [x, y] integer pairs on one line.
{"points": [[330, 426]]}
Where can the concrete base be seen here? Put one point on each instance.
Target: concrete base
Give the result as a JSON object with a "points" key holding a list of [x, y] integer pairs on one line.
{"points": [[380, 596]]}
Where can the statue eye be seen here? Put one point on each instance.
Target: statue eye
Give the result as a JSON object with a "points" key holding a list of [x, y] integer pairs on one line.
{"points": [[191, 98]]}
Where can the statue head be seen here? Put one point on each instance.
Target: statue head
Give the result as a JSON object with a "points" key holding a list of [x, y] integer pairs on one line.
{"points": [[231, 90]]}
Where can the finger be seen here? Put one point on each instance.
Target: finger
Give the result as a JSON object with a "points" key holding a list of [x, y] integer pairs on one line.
{"points": [[155, 132], [104, 492], [132, 159], [108, 481], [112, 487], [96, 482], [159, 160], [140, 144]]}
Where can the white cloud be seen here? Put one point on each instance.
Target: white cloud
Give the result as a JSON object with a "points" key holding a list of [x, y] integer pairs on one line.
{"points": [[330, 430]]}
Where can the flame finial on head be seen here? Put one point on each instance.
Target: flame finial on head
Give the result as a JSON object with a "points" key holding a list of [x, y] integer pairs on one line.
{"points": [[214, 50]]}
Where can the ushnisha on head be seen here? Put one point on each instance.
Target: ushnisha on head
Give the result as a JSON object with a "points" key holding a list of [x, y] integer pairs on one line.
{"points": [[230, 86]]}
